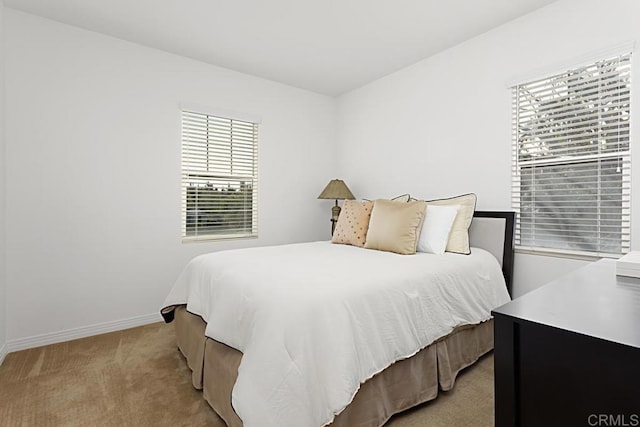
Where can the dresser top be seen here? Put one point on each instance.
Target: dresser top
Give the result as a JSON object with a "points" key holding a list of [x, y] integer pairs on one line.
{"points": [[590, 301]]}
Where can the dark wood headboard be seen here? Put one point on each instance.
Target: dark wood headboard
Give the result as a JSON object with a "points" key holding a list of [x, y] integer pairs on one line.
{"points": [[496, 237]]}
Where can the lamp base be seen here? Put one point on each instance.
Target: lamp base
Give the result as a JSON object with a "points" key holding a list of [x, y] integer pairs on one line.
{"points": [[335, 213]]}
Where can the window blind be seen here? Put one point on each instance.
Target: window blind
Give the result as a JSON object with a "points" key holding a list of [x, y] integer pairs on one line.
{"points": [[219, 177], [571, 160]]}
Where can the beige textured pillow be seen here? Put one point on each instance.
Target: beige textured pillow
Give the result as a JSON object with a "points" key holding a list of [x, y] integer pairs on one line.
{"points": [[353, 223], [395, 227], [459, 237]]}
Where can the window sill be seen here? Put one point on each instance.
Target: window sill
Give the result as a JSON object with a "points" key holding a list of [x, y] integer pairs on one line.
{"points": [[559, 253], [218, 237]]}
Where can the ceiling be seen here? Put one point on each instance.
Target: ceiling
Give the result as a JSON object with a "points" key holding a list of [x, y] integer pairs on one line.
{"points": [[325, 46]]}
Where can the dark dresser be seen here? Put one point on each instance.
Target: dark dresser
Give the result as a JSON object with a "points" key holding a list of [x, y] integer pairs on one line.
{"points": [[568, 353]]}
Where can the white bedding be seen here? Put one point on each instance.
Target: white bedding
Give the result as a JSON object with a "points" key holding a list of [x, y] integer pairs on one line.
{"points": [[314, 320]]}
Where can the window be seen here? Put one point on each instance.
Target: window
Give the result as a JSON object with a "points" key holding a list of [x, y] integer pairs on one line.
{"points": [[219, 177], [571, 174]]}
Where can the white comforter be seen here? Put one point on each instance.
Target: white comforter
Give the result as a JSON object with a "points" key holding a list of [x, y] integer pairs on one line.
{"points": [[314, 320]]}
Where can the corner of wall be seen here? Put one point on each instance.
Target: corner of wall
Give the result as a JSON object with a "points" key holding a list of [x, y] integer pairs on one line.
{"points": [[3, 276], [4, 350]]}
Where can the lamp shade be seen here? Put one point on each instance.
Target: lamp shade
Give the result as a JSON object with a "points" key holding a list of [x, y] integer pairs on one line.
{"points": [[336, 189]]}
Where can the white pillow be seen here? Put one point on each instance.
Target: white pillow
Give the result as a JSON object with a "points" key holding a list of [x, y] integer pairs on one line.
{"points": [[437, 225], [459, 236]]}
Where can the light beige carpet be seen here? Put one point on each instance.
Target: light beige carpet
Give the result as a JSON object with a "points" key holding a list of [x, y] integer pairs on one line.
{"points": [[138, 377]]}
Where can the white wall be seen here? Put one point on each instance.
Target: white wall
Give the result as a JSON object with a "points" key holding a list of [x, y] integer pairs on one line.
{"points": [[92, 154], [442, 126], [3, 301], [93, 172]]}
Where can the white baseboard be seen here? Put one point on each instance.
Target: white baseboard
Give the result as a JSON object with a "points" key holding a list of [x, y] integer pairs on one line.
{"points": [[4, 350], [82, 332]]}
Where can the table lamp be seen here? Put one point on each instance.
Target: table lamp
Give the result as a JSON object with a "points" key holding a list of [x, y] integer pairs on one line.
{"points": [[336, 189]]}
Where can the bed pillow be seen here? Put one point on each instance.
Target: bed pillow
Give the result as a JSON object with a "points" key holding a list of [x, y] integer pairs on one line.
{"points": [[395, 227], [436, 228], [353, 223], [402, 199], [459, 237]]}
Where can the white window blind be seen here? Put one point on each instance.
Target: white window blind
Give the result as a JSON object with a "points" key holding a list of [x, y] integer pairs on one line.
{"points": [[219, 177], [571, 160]]}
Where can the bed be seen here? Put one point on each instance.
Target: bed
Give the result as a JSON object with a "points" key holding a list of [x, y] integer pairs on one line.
{"points": [[341, 349]]}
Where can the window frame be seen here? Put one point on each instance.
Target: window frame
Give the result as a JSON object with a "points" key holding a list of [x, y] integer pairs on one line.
{"points": [[195, 171], [569, 159]]}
